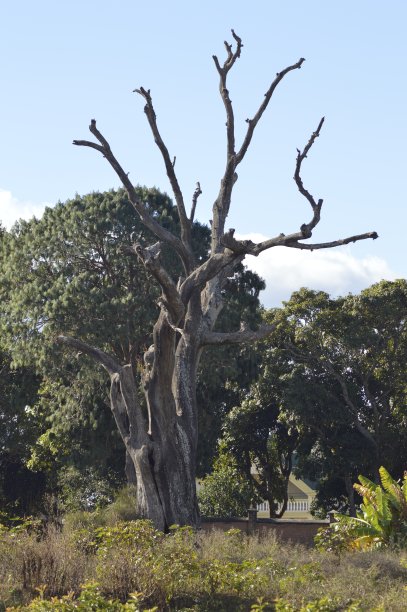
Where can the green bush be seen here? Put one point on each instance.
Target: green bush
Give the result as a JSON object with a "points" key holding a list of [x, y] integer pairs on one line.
{"points": [[90, 598], [225, 492]]}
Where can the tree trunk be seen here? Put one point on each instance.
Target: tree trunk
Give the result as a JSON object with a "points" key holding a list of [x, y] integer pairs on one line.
{"points": [[162, 444], [130, 471], [351, 495]]}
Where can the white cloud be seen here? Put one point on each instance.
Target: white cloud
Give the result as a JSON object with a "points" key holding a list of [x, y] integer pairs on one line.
{"points": [[335, 271], [12, 209]]}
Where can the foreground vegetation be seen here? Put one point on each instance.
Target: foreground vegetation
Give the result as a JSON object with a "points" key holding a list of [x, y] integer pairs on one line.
{"points": [[94, 564]]}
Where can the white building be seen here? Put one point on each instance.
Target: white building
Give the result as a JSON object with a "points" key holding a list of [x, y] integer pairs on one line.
{"points": [[300, 498]]}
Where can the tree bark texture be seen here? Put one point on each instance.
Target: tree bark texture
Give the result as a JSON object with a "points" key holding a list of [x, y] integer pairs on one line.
{"points": [[161, 441]]}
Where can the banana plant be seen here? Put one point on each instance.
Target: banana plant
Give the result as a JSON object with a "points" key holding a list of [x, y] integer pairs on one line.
{"points": [[382, 519]]}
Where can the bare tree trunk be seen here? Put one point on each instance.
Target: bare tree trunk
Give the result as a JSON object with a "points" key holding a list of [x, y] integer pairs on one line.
{"points": [[162, 444], [130, 471]]}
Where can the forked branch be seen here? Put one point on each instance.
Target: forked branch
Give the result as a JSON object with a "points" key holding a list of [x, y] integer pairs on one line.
{"points": [[293, 240], [316, 206], [141, 209], [169, 167], [223, 72], [290, 240], [222, 202], [252, 123]]}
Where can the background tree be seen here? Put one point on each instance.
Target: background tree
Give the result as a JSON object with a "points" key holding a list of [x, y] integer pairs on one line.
{"points": [[162, 442], [345, 390], [20, 488], [261, 444], [226, 372], [71, 262], [226, 492]]}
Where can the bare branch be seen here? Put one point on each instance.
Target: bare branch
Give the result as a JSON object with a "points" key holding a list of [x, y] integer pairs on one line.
{"points": [[328, 245], [145, 217], [316, 206], [222, 203], [223, 72], [170, 296], [107, 361], [238, 337], [252, 123], [169, 166], [291, 241], [300, 158], [197, 193]]}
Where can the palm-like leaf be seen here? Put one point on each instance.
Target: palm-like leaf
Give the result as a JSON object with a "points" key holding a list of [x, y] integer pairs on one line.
{"points": [[396, 494], [404, 486], [382, 518]]}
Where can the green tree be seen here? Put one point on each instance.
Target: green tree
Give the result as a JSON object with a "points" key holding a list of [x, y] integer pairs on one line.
{"points": [[67, 271], [226, 373], [261, 444], [345, 392], [20, 488], [74, 428], [225, 492]]}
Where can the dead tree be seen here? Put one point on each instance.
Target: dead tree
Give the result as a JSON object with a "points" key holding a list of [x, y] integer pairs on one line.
{"points": [[162, 445]]}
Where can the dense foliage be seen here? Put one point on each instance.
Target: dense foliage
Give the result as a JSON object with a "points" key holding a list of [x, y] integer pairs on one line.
{"points": [[226, 492], [261, 445], [70, 272], [333, 371]]}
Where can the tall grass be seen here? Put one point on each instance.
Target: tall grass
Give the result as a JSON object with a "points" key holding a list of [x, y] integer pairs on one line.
{"points": [[188, 571]]}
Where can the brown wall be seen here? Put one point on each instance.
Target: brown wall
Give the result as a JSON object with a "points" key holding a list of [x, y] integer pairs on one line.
{"points": [[299, 532]]}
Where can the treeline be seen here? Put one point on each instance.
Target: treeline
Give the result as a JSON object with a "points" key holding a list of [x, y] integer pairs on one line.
{"points": [[324, 395]]}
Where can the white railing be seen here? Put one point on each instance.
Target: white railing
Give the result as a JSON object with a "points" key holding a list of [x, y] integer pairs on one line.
{"points": [[292, 506]]}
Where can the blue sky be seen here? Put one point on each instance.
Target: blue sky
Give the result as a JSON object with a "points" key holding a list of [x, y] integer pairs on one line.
{"points": [[64, 63]]}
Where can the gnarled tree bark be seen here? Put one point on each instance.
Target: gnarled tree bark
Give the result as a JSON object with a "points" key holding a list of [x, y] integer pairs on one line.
{"points": [[162, 442]]}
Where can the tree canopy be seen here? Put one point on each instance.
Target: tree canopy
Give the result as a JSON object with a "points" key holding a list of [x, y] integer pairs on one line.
{"points": [[344, 389], [67, 271]]}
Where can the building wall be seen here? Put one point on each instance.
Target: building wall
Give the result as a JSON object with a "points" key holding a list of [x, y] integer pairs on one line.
{"points": [[300, 498]]}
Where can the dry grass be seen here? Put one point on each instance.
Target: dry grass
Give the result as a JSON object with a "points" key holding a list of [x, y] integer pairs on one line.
{"points": [[29, 562], [204, 572]]}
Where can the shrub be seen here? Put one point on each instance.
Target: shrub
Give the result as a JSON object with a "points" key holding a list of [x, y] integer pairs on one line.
{"points": [[29, 558], [90, 598], [225, 493], [137, 568], [381, 521]]}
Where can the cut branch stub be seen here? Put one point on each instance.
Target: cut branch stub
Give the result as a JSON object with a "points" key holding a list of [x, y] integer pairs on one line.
{"points": [[197, 193]]}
